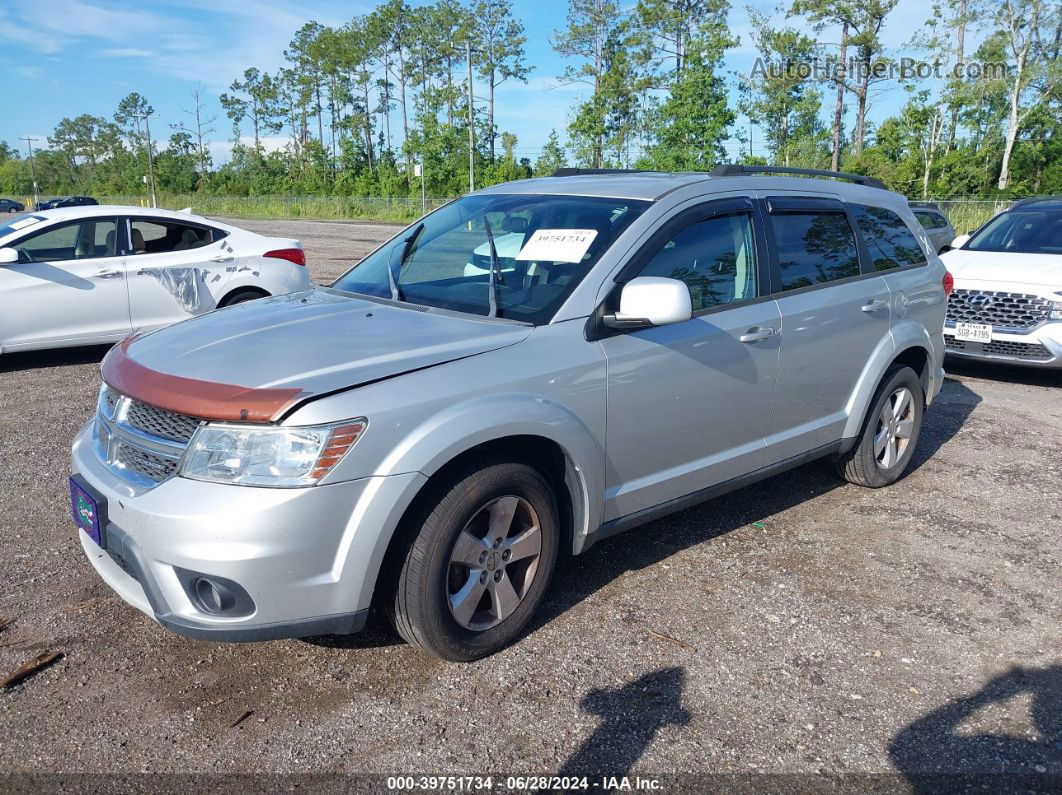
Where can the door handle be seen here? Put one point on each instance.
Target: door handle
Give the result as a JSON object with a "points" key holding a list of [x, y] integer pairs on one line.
{"points": [[757, 333], [222, 258], [875, 306], [108, 274]]}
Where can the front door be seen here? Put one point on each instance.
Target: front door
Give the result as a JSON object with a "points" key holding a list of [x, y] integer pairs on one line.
{"points": [[69, 285], [688, 403]]}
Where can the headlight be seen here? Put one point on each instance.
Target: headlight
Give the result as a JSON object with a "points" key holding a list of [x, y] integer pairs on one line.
{"points": [[269, 456]]}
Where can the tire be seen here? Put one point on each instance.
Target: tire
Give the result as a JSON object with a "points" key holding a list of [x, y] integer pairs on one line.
{"points": [[240, 296], [871, 462], [461, 613]]}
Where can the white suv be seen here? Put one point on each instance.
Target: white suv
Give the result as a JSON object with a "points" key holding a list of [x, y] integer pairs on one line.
{"points": [[1007, 303]]}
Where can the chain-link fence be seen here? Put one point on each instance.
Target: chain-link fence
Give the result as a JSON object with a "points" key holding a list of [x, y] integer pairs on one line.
{"points": [[968, 214], [965, 214]]}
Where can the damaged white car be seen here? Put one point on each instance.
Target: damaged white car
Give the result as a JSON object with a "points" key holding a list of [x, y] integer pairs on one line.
{"points": [[88, 275]]}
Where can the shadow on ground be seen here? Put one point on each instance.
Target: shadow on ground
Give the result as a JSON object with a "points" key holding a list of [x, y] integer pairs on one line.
{"points": [[578, 578], [649, 544], [631, 716], [1008, 373], [57, 357], [936, 755], [943, 420]]}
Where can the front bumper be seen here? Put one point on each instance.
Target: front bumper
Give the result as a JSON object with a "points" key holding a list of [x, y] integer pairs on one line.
{"points": [[307, 559], [1041, 347]]}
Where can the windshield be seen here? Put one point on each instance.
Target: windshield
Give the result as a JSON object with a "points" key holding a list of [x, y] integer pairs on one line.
{"points": [[1021, 231], [544, 246], [18, 223]]}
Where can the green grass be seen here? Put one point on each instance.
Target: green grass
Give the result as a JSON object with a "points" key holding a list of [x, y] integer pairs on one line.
{"points": [[314, 207]]}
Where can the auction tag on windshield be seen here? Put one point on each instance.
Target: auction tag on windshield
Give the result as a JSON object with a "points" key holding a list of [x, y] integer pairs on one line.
{"points": [[557, 245], [22, 223]]}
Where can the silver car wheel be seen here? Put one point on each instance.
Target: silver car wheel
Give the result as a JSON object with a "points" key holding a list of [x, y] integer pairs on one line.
{"points": [[493, 563], [895, 426]]}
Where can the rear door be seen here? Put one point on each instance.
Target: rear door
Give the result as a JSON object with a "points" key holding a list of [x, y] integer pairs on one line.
{"points": [[835, 311], [68, 286], [176, 270], [688, 403]]}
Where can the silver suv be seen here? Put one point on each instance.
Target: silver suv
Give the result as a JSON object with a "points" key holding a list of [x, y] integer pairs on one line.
{"points": [[525, 371]]}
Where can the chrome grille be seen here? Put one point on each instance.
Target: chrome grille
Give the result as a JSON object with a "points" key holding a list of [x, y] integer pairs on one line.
{"points": [[147, 465], [159, 422], [1032, 351], [140, 443], [1015, 311], [110, 401]]}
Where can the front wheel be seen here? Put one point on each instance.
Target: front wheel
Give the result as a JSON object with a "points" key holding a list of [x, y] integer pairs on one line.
{"points": [[480, 562], [890, 432]]}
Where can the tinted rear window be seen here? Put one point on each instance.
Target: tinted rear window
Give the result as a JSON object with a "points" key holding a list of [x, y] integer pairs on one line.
{"points": [[814, 248], [889, 241]]}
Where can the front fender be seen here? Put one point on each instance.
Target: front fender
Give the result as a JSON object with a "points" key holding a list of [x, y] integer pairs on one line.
{"points": [[429, 446], [904, 335], [445, 435]]}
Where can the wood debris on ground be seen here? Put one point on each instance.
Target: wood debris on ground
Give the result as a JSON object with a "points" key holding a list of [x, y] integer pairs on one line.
{"points": [[30, 667]]}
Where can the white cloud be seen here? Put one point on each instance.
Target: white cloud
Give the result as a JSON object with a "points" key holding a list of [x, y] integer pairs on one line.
{"points": [[125, 52], [239, 33], [54, 25], [540, 84]]}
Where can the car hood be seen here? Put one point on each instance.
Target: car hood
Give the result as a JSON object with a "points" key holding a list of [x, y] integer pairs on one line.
{"points": [[258, 360], [995, 266]]}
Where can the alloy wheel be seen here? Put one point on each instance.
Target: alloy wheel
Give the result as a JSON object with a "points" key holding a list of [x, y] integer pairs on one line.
{"points": [[493, 563], [895, 426]]}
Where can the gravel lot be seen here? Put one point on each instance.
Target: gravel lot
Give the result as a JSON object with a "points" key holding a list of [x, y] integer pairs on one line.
{"points": [[800, 626]]}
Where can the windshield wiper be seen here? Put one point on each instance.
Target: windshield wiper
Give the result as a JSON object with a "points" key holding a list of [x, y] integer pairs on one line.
{"points": [[495, 268], [393, 268]]}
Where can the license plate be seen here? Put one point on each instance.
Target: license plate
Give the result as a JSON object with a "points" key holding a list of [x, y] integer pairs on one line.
{"points": [[973, 332], [88, 509]]}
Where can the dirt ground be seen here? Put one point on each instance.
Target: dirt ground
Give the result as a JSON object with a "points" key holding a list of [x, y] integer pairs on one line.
{"points": [[802, 627]]}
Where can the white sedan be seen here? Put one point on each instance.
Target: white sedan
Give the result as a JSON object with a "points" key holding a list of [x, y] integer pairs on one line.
{"points": [[88, 275]]}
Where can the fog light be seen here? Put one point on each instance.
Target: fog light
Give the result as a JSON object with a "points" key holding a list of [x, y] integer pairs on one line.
{"points": [[213, 597]]}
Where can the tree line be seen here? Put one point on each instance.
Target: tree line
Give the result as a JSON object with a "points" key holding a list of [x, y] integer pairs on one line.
{"points": [[358, 105]]}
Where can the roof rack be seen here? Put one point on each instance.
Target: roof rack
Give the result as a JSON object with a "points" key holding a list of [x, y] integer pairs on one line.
{"points": [[737, 169], [578, 172]]}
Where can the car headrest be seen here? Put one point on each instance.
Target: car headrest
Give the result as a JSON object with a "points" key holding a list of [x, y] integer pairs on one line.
{"points": [[139, 246], [514, 223]]}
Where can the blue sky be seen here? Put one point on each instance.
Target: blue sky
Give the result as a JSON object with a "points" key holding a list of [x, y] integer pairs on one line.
{"points": [[67, 57]]}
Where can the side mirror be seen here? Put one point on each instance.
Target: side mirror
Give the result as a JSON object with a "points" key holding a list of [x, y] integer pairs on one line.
{"points": [[651, 301], [943, 248], [960, 241], [8, 256]]}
